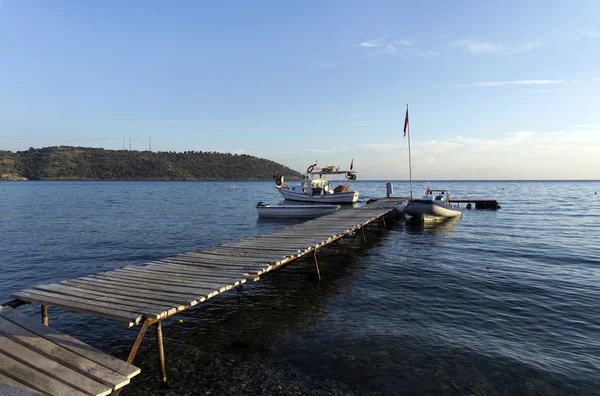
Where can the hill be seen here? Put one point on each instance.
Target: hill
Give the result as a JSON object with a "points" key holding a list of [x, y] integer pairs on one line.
{"points": [[84, 163]]}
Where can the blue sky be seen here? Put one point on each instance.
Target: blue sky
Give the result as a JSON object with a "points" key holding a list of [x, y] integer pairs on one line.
{"points": [[497, 90]]}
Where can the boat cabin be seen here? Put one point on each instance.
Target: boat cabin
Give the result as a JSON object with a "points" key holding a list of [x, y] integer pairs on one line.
{"points": [[316, 186]]}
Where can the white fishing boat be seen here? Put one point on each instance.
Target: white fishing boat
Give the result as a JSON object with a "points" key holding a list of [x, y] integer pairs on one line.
{"points": [[317, 186], [434, 206], [294, 211]]}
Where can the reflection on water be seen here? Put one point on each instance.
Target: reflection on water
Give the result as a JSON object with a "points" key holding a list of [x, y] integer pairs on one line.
{"points": [[434, 227]]}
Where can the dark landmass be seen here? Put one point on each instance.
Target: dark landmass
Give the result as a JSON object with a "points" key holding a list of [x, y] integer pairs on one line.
{"points": [[84, 163]]}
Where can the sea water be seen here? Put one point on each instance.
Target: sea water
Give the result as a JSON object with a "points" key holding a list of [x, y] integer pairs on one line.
{"points": [[497, 303]]}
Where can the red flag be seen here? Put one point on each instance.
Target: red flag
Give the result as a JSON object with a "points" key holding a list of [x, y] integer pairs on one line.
{"points": [[352, 164], [406, 122]]}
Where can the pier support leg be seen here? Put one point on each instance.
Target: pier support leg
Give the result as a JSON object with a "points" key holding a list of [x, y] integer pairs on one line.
{"points": [[383, 221], [161, 353], [44, 314], [363, 234], [317, 263], [138, 341], [135, 347]]}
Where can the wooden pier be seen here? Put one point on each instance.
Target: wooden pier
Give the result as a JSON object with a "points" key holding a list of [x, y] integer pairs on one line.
{"points": [[150, 293], [35, 359]]}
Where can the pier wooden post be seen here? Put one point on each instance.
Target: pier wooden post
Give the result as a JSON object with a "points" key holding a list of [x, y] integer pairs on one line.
{"points": [[161, 353], [363, 234], [135, 347], [317, 263], [45, 314], [383, 221]]}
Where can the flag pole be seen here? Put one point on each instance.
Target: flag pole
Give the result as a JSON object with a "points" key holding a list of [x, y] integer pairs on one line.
{"points": [[409, 160]]}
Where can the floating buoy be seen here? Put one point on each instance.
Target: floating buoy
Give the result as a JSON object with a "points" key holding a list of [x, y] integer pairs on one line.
{"points": [[180, 321]]}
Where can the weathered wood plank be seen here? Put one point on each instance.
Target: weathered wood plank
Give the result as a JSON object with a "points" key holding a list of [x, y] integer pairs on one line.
{"points": [[52, 367], [70, 343], [186, 279], [34, 379], [224, 280], [10, 387], [171, 281], [143, 288], [143, 306], [231, 258], [90, 301], [233, 268], [126, 292], [126, 317], [128, 281], [204, 271]]}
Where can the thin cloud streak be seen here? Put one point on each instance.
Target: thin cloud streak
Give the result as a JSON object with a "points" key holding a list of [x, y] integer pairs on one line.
{"points": [[585, 126], [584, 35], [327, 65], [517, 82], [166, 122], [429, 54], [381, 46], [478, 47]]}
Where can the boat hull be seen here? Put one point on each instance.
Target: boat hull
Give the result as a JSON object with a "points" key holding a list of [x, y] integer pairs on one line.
{"points": [[342, 197], [431, 210], [296, 211]]}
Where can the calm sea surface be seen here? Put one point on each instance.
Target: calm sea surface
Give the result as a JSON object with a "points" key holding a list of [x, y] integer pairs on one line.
{"points": [[499, 303]]}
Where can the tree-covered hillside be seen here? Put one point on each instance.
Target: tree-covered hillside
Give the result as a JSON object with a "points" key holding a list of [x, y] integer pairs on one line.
{"points": [[83, 163]]}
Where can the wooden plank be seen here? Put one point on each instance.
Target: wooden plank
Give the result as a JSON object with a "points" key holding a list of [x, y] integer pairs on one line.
{"points": [[8, 390], [235, 268], [128, 291], [126, 317], [138, 305], [169, 281], [225, 261], [125, 281], [10, 387], [264, 255], [217, 273], [214, 262], [34, 379], [101, 281], [90, 301], [189, 273], [229, 259], [257, 248], [181, 275], [51, 367], [70, 343]]}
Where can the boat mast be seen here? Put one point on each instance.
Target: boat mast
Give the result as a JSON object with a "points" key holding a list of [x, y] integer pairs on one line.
{"points": [[409, 160]]}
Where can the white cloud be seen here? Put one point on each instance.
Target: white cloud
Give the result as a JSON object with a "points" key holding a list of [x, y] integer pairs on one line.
{"points": [[429, 54], [327, 65], [331, 150], [516, 82], [561, 154], [585, 126], [583, 35], [368, 123], [550, 90], [166, 122], [479, 47], [382, 46]]}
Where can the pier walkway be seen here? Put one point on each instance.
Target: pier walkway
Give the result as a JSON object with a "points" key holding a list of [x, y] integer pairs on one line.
{"points": [[35, 359], [150, 293]]}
